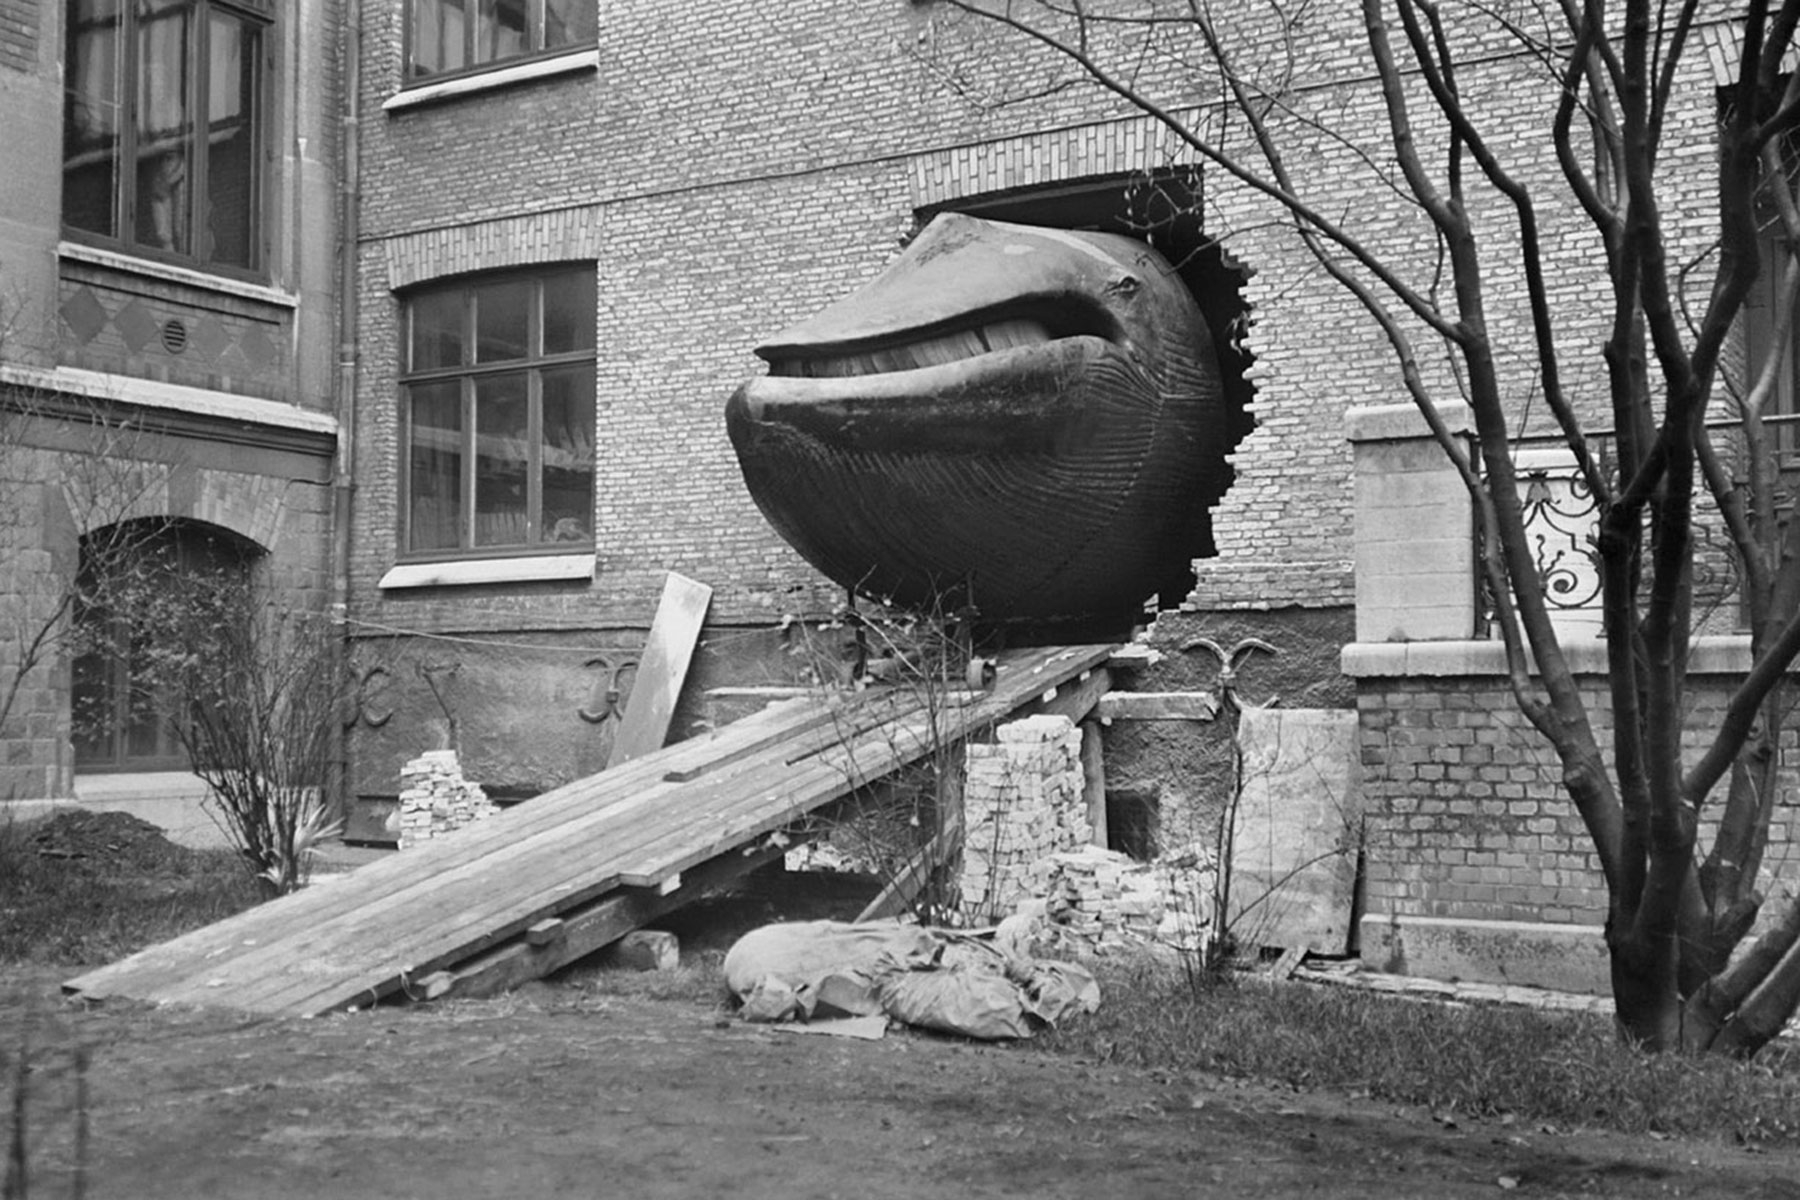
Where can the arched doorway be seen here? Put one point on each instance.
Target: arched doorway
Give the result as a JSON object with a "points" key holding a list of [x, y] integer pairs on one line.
{"points": [[122, 720]]}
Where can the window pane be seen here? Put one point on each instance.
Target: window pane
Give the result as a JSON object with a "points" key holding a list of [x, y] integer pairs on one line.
{"points": [[437, 330], [569, 312], [438, 34], [231, 141], [502, 461], [503, 321], [434, 481], [164, 126], [92, 699], [91, 117], [500, 29], [568, 454], [570, 22]]}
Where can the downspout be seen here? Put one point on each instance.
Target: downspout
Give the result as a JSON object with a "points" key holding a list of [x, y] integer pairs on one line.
{"points": [[343, 476]]}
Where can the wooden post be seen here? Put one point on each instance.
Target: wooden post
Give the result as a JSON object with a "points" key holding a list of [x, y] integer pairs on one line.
{"points": [[1093, 779]]}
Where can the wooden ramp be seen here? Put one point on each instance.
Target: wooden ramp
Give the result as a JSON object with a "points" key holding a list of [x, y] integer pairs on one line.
{"points": [[548, 881]]}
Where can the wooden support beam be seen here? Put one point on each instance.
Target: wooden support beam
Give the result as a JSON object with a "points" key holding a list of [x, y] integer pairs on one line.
{"points": [[1075, 699], [1158, 706], [905, 887], [545, 932], [585, 929]]}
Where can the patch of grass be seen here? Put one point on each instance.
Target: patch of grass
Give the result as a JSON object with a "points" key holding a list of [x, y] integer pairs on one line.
{"points": [[79, 911], [1481, 1060]]}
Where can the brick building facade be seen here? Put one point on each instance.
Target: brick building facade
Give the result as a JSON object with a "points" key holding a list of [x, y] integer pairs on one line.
{"points": [[563, 236]]}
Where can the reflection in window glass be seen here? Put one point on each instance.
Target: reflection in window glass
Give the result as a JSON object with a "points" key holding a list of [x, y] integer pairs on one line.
{"points": [[434, 474], [503, 321], [568, 453], [91, 117], [164, 133], [502, 461], [437, 330], [502, 30], [231, 162], [569, 312], [439, 36], [570, 22]]}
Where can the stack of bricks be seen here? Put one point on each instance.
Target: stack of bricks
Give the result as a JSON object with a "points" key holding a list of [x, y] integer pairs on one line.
{"points": [[1103, 900], [435, 798], [1022, 802]]}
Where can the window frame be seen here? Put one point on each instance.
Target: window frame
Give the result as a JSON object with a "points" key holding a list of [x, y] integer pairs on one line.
{"points": [[467, 374], [536, 49], [259, 16]]}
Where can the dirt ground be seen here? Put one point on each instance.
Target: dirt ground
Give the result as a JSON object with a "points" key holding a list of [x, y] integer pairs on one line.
{"points": [[560, 1090], [586, 1087]]}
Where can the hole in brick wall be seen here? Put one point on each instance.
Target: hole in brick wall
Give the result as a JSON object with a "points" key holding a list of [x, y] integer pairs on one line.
{"points": [[1134, 821], [1163, 208]]}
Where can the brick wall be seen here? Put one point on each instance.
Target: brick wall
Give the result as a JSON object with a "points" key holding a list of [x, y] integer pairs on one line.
{"points": [[1466, 812], [19, 34]]}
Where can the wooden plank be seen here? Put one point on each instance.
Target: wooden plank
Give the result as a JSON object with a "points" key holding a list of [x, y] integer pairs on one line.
{"points": [[594, 926], [379, 881], [1158, 706], [1075, 700], [663, 669]]}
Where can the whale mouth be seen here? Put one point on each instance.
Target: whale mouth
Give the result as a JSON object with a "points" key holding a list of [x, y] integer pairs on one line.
{"points": [[974, 335]]}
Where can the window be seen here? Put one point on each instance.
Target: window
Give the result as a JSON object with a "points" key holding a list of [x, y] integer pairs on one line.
{"points": [[162, 128], [498, 414], [131, 573], [1760, 309], [449, 36]]}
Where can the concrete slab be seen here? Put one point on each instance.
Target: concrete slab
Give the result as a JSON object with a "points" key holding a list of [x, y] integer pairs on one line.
{"points": [[1564, 958], [1298, 830]]}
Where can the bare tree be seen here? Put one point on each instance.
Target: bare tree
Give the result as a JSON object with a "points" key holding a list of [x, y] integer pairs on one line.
{"points": [[1600, 146]]}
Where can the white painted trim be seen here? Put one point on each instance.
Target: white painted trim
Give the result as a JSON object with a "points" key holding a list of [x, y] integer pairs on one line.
{"points": [[464, 85], [114, 260], [175, 397], [534, 569], [1718, 654]]}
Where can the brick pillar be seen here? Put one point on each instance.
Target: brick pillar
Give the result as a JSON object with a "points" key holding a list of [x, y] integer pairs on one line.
{"points": [[1022, 801], [1415, 543]]}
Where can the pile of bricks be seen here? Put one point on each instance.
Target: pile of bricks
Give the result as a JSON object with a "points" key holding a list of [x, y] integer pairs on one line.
{"points": [[1106, 901], [435, 798], [1022, 801]]}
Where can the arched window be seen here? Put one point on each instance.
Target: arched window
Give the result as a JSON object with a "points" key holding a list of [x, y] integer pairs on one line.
{"points": [[130, 572]]}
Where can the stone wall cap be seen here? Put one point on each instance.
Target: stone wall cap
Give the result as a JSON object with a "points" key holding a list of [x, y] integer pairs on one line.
{"points": [[1402, 422], [1718, 654]]}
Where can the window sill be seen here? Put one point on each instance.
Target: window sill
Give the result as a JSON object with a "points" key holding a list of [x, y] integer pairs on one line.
{"points": [[535, 569], [464, 85], [169, 273]]}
